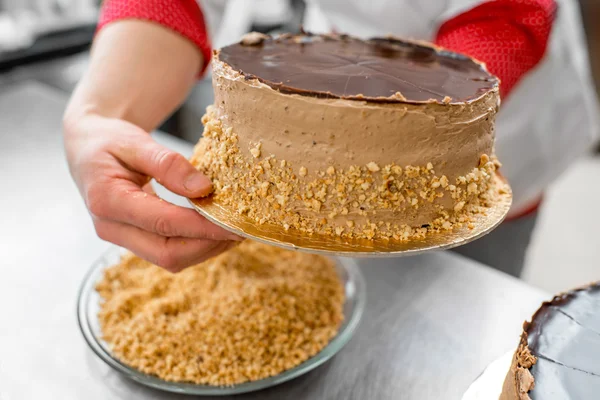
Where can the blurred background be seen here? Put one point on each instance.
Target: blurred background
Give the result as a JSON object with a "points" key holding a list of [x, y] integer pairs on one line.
{"points": [[48, 41]]}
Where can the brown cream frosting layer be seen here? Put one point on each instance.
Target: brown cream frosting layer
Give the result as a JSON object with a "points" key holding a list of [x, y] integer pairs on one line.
{"points": [[349, 167], [519, 380]]}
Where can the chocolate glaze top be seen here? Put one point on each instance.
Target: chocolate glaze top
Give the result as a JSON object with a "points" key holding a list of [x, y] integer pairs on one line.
{"points": [[564, 336], [379, 69]]}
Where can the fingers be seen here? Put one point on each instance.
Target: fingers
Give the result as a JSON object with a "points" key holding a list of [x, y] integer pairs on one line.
{"points": [[173, 254], [122, 201], [169, 168], [111, 161], [149, 189]]}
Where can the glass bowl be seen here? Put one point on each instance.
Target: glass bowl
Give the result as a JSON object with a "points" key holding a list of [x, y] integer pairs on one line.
{"points": [[88, 305]]}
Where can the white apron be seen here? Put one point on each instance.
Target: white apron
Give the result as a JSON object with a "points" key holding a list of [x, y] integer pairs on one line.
{"points": [[550, 118]]}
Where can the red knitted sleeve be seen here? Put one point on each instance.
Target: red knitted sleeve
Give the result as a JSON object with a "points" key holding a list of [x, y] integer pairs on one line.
{"points": [[509, 36], [182, 16]]}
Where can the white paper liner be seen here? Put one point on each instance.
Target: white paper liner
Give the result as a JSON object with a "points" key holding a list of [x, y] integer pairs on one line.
{"points": [[489, 384]]}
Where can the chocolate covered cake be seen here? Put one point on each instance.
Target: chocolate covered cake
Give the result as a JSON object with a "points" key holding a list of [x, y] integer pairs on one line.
{"points": [[559, 353], [329, 134]]}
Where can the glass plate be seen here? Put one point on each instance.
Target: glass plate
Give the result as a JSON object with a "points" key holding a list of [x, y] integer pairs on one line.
{"points": [[87, 315]]}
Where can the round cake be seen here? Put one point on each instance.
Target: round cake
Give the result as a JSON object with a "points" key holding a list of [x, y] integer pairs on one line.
{"points": [[558, 353], [330, 134]]}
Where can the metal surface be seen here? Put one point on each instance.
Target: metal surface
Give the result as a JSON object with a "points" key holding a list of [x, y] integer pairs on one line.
{"points": [[431, 325], [88, 306], [292, 239]]}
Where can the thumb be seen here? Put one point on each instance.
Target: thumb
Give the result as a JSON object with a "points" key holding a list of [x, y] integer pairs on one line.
{"points": [[169, 168]]}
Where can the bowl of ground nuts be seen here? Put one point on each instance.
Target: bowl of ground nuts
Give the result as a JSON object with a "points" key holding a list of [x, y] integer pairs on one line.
{"points": [[253, 317]]}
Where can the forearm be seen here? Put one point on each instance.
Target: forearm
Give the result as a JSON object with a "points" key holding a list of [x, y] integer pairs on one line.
{"points": [[144, 61], [510, 36], [139, 71]]}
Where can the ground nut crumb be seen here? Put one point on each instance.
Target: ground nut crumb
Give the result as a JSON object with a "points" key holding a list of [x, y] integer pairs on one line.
{"points": [[399, 96], [444, 181], [484, 159], [255, 151], [373, 167], [250, 313], [472, 188], [412, 172], [253, 38], [270, 190]]}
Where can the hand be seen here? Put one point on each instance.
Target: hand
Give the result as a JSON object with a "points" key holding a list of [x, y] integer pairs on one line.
{"points": [[110, 161]]}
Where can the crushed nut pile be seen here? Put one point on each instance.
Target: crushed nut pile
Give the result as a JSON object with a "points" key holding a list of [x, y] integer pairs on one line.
{"points": [[358, 201], [250, 313]]}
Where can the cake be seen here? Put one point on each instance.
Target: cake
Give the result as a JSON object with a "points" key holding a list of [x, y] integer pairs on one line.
{"points": [[559, 350], [334, 135]]}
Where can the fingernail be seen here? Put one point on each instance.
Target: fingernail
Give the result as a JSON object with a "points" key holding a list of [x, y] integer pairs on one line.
{"points": [[197, 182]]}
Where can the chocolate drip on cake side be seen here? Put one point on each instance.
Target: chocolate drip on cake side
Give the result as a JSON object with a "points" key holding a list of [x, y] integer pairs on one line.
{"points": [[564, 336], [340, 66]]}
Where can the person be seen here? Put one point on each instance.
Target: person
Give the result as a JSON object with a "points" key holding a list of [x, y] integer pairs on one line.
{"points": [[148, 54]]}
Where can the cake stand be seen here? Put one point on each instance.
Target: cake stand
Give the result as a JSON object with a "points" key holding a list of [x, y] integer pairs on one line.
{"points": [[242, 225]]}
